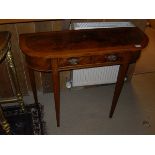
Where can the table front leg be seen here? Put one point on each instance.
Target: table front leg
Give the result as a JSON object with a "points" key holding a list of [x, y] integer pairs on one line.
{"points": [[56, 89], [119, 84]]}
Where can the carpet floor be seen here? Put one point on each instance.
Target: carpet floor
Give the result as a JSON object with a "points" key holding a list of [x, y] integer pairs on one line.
{"points": [[85, 111], [24, 123]]}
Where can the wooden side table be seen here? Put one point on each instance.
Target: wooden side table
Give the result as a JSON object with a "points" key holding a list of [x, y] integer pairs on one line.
{"points": [[73, 49], [5, 53]]}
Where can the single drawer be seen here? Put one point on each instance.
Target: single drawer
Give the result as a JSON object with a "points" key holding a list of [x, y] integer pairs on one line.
{"points": [[74, 61]]}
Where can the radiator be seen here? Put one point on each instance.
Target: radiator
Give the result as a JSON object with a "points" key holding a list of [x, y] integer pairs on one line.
{"points": [[99, 75], [95, 76]]}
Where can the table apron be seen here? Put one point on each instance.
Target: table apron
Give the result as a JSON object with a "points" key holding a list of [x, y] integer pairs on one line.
{"points": [[45, 64]]}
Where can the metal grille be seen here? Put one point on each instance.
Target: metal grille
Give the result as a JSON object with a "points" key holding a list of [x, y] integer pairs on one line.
{"points": [[95, 76]]}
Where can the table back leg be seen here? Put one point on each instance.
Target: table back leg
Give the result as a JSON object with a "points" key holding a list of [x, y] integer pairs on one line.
{"points": [[33, 85], [56, 89], [34, 90]]}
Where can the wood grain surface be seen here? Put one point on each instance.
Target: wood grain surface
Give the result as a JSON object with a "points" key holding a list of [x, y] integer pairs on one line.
{"points": [[18, 26]]}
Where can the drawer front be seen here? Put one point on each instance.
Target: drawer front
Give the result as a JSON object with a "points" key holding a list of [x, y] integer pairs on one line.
{"points": [[96, 60], [74, 61]]}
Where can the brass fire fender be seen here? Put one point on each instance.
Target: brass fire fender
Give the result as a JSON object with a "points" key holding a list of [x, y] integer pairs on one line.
{"points": [[6, 53]]}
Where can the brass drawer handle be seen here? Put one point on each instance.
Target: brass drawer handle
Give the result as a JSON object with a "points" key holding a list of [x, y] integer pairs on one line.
{"points": [[112, 57], [73, 61]]}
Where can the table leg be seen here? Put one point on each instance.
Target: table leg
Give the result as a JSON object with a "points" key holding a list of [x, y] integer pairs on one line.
{"points": [[56, 89], [33, 85], [34, 90], [120, 81]]}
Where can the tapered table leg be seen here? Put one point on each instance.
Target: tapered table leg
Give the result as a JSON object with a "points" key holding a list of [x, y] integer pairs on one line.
{"points": [[56, 89], [33, 85], [120, 80], [34, 90]]}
